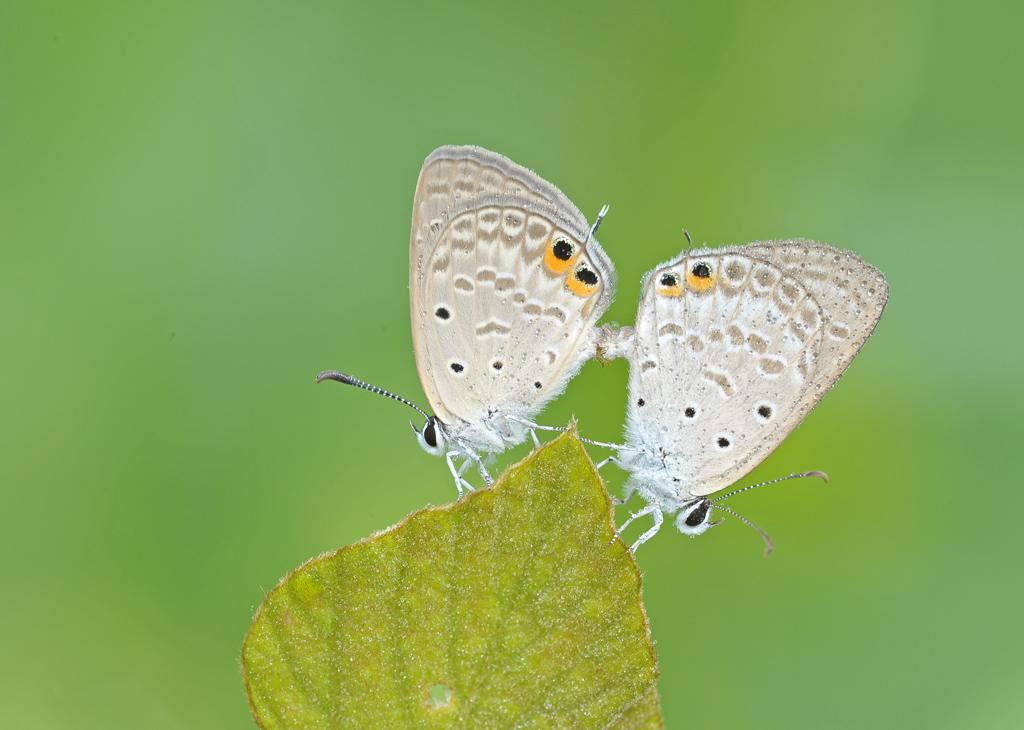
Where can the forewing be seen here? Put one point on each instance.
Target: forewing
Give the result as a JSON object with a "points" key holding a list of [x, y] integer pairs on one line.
{"points": [[729, 359], [453, 175], [501, 319]]}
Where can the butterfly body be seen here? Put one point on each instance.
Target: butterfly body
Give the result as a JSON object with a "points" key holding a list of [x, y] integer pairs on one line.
{"points": [[491, 434]]}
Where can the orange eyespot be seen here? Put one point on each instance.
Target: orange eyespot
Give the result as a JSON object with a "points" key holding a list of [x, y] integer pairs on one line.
{"points": [[669, 285], [561, 255], [583, 281], [700, 277]]}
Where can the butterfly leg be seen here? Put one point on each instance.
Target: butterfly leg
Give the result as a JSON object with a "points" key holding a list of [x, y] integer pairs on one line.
{"points": [[659, 517], [649, 509], [609, 460], [652, 508], [460, 482], [536, 441], [475, 458], [537, 427], [462, 470]]}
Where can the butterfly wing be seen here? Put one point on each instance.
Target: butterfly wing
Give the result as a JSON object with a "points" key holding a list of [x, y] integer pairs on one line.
{"points": [[734, 346], [503, 292]]}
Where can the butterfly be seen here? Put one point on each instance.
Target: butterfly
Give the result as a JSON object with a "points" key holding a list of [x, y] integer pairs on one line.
{"points": [[506, 284], [731, 348]]}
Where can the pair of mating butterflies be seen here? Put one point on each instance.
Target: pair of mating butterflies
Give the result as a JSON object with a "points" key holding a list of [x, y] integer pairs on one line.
{"points": [[732, 347]]}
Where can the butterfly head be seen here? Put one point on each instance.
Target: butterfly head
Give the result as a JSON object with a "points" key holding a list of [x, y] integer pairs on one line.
{"points": [[431, 437], [695, 518]]}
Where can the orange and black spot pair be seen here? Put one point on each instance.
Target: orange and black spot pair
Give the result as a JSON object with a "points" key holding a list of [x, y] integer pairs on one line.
{"points": [[561, 256], [699, 278]]}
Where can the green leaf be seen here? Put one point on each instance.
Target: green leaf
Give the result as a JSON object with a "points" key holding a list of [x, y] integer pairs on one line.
{"points": [[508, 607]]}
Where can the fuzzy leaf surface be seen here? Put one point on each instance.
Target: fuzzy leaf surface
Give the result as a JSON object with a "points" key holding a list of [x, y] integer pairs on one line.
{"points": [[509, 608]]}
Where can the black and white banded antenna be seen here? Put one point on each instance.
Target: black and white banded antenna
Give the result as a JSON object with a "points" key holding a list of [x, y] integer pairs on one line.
{"points": [[351, 380], [768, 544], [597, 223], [802, 475]]}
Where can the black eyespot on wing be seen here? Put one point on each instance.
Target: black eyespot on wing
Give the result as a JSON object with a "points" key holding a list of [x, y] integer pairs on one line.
{"points": [[537, 385], [669, 279], [457, 367], [640, 402], [701, 270], [723, 442], [442, 313], [497, 364], [764, 411], [689, 411], [562, 250], [430, 434], [695, 518], [586, 276]]}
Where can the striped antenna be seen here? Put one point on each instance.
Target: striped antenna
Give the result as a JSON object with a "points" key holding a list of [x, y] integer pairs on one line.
{"points": [[768, 544], [350, 380], [820, 474]]}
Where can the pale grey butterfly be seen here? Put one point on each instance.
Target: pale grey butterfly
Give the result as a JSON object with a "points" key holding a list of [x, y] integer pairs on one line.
{"points": [[506, 284], [732, 347]]}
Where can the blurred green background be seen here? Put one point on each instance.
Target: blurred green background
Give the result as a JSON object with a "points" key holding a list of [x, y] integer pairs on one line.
{"points": [[203, 204]]}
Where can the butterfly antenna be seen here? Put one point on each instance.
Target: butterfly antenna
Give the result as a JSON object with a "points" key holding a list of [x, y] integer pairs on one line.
{"points": [[597, 222], [820, 474], [349, 380], [768, 544]]}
